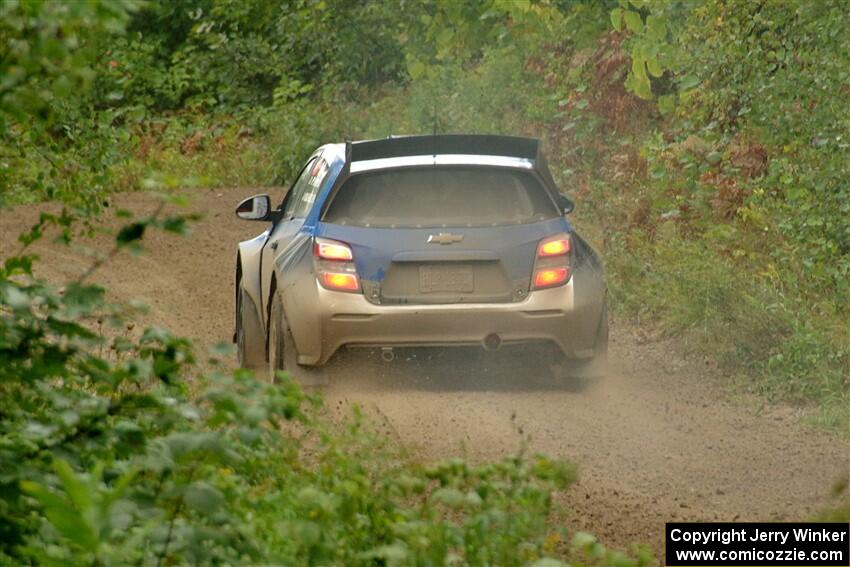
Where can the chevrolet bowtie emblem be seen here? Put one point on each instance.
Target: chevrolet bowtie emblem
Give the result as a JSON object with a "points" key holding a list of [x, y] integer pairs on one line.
{"points": [[444, 238]]}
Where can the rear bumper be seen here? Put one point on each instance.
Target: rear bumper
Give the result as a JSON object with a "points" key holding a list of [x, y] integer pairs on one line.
{"points": [[347, 319]]}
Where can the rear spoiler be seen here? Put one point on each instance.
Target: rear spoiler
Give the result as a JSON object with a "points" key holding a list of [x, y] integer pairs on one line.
{"points": [[467, 144], [442, 144]]}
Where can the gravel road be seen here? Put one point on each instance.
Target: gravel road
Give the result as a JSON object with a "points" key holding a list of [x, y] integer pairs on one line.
{"points": [[659, 439]]}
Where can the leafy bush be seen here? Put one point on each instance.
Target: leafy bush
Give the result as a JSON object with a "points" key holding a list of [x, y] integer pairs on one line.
{"points": [[238, 54], [54, 141], [115, 451], [751, 178]]}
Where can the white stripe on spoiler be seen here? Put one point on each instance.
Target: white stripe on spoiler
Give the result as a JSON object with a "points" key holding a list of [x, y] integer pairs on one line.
{"points": [[442, 159]]}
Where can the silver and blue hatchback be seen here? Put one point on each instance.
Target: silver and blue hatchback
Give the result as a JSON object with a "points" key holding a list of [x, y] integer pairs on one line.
{"points": [[445, 240]]}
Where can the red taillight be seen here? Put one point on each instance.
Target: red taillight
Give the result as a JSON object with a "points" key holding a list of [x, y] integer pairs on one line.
{"points": [[332, 250], [552, 267], [334, 265], [557, 247], [550, 277], [340, 281]]}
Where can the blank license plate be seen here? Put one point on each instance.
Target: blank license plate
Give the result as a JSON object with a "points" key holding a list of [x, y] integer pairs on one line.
{"points": [[445, 278]]}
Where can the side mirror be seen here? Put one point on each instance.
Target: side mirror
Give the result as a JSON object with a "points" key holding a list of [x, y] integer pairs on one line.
{"points": [[566, 204], [256, 208]]}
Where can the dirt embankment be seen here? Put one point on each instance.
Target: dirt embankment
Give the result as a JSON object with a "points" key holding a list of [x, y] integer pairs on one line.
{"points": [[657, 440]]}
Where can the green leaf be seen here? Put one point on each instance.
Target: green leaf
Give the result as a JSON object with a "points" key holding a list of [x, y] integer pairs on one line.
{"points": [[34, 234], [203, 498], [14, 297], [82, 298], [639, 68], [688, 82], [654, 67], [62, 515], [19, 265], [393, 554], [416, 69], [619, 559], [130, 233], [617, 19], [656, 27], [633, 21], [451, 497], [639, 86], [176, 224], [444, 37], [76, 490], [584, 540], [666, 104], [549, 562], [306, 533]]}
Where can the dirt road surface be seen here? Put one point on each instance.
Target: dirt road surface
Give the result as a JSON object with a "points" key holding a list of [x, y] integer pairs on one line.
{"points": [[658, 440]]}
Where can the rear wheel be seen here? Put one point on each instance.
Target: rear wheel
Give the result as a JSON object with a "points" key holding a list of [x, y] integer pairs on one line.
{"points": [[250, 349], [241, 356], [601, 348], [573, 374], [282, 353]]}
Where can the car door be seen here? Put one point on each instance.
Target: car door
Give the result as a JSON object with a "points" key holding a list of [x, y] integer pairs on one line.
{"points": [[295, 207]]}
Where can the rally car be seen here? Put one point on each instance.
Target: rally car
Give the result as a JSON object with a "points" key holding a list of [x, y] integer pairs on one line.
{"points": [[444, 240]]}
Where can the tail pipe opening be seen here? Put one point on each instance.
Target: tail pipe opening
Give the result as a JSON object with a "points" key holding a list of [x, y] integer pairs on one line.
{"points": [[492, 342], [387, 354]]}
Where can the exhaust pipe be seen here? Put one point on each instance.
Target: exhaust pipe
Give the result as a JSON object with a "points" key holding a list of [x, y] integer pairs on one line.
{"points": [[492, 342], [387, 354]]}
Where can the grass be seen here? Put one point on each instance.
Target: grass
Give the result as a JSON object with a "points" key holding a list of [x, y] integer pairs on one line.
{"points": [[769, 344], [183, 153]]}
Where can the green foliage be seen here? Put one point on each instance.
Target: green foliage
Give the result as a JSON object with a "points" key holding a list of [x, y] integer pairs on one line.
{"points": [[751, 177], [792, 96], [442, 32], [497, 97], [86, 84], [840, 511], [54, 142], [648, 47], [108, 459], [47, 52], [237, 54], [776, 74]]}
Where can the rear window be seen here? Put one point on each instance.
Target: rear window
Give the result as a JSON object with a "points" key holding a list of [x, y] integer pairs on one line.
{"points": [[440, 197]]}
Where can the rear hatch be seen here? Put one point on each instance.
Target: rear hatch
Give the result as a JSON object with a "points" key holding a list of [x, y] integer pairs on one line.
{"points": [[442, 234]]}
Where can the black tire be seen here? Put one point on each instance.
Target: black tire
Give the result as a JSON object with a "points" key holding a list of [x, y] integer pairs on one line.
{"points": [[282, 353], [250, 348], [601, 348], [574, 374], [241, 356]]}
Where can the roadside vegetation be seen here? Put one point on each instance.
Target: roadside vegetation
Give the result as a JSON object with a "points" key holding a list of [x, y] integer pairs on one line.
{"points": [[706, 145]]}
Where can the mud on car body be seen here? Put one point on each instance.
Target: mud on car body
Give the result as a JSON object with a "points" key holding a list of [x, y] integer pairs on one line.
{"points": [[444, 240]]}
